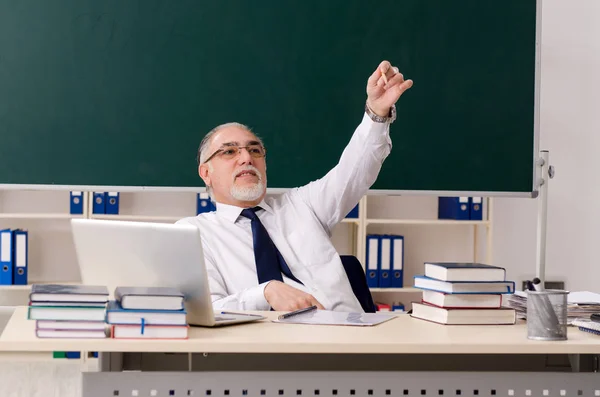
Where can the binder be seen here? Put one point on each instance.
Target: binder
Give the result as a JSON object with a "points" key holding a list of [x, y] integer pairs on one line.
{"points": [[204, 204], [476, 208], [6, 261], [76, 203], [397, 257], [20, 257], [453, 208], [353, 212], [111, 200], [385, 275], [373, 260], [99, 205]]}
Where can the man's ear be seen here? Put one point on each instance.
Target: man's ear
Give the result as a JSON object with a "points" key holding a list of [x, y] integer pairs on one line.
{"points": [[204, 173]]}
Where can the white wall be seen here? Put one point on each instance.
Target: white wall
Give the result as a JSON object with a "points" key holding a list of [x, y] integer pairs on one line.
{"points": [[570, 130]]}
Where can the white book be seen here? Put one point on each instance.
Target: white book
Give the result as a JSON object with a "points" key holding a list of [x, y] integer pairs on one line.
{"points": [[501, 316], [442, 299], [149, 332], [71, 334], [71, 325]]}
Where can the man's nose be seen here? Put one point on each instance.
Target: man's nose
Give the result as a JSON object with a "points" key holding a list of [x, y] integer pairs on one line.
{"points": [[244, 156]]}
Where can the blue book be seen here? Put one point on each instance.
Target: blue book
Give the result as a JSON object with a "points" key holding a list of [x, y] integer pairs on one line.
{"points": [[20, 257], [151, 298], [6, 257], [475, 208], [115, 314], [76, 203], [464, 271], [353, 212], [111, 202], [99, 204], [373, 260], [385, 268], [461, 287], [456, 208], [397, 257], [68, 293]]}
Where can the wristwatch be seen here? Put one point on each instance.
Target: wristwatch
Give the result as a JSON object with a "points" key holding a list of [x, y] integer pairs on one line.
{"points": [[379, 119]]}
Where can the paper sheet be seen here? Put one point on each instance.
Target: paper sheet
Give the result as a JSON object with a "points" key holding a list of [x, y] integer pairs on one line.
{"points": [[328, 317]]}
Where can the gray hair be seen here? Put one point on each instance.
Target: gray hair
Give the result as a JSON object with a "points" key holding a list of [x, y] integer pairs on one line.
{"points": [[203, 154]]}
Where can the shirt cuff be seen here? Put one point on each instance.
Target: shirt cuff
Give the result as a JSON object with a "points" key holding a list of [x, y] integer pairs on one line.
{"points": [[254, 298], [376, 130]]}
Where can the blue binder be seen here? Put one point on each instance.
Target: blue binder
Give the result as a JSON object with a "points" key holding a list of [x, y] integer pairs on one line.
{"points": [[353, 212], [385, 268], [99, 205], [111, 200], [397, 257], [6, 257], [373, 260], [204, 204], [76, 203], [453, 208], [20, 256], [475, 208]]}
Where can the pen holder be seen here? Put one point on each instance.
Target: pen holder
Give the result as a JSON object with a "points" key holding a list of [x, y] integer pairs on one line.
{"points": [[547, 315]]}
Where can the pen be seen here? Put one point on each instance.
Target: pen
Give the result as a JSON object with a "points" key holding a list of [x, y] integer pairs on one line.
{"points": [[238, 314], [305, 310]]}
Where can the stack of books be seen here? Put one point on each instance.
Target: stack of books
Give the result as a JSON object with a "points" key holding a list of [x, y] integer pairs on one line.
{"points": [[147, 313], [463, 293], [68, 311]]}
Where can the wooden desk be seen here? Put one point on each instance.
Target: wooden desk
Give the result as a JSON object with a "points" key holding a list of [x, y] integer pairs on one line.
{"points": [[401, 338], [402, 335]]}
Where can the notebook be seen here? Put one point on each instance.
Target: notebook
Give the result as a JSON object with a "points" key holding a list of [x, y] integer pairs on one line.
{"points": [[587, 325]]}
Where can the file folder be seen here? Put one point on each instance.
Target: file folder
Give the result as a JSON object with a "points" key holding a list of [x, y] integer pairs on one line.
{"points": [[99, 205], [385, 275], [111, 200], [20, 257], [397, 257], [373, 260], [6, 261], [204, 204], [76, 203], [453, 208], [353, 212], [476, 209]]}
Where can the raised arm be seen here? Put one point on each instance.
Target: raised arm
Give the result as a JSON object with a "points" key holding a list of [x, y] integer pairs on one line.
{"points": [[334, 195]]}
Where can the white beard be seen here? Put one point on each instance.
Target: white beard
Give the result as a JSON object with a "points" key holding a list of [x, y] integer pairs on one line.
{"points": [[248, 193]]}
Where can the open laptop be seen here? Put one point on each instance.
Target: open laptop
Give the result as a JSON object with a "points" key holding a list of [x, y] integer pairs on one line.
{"points": [[143, 254]]}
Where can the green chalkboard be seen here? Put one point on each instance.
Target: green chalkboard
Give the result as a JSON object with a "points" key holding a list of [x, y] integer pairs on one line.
{"points": [[120, 93]]}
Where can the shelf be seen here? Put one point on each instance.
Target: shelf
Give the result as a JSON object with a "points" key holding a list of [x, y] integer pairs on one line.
{"points": [[404, 289], [39, 216], [351, 220], [423, 222], [145, 218]]}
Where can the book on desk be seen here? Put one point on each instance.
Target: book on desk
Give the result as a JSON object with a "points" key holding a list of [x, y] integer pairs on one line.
{"points": [[463, 293]]}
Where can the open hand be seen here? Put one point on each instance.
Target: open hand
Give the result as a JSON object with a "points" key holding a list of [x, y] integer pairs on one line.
{"points": [[382, 96], [282, 297]]}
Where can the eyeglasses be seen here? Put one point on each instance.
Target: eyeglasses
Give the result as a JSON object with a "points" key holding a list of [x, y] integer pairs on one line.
{"points": [[230, 152]]}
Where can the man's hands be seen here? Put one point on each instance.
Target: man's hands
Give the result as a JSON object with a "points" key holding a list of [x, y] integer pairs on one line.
{"points": [[282, 297], [382, 96]]}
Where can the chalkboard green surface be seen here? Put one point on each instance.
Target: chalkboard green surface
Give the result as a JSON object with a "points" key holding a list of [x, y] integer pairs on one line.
{"points": [[120, 93]]}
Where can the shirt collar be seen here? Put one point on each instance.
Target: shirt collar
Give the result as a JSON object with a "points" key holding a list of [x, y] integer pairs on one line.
{"points": [[232, 212]]}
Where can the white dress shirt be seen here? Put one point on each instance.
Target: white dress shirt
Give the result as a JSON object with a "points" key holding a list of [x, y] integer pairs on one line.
{"points": [[300, 223]]}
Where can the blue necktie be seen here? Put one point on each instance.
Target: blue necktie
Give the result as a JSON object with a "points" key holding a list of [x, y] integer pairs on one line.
{"points": [[269, 262]]}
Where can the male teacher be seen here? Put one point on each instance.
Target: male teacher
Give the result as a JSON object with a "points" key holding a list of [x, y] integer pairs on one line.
{"points": [[276, 252]]}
